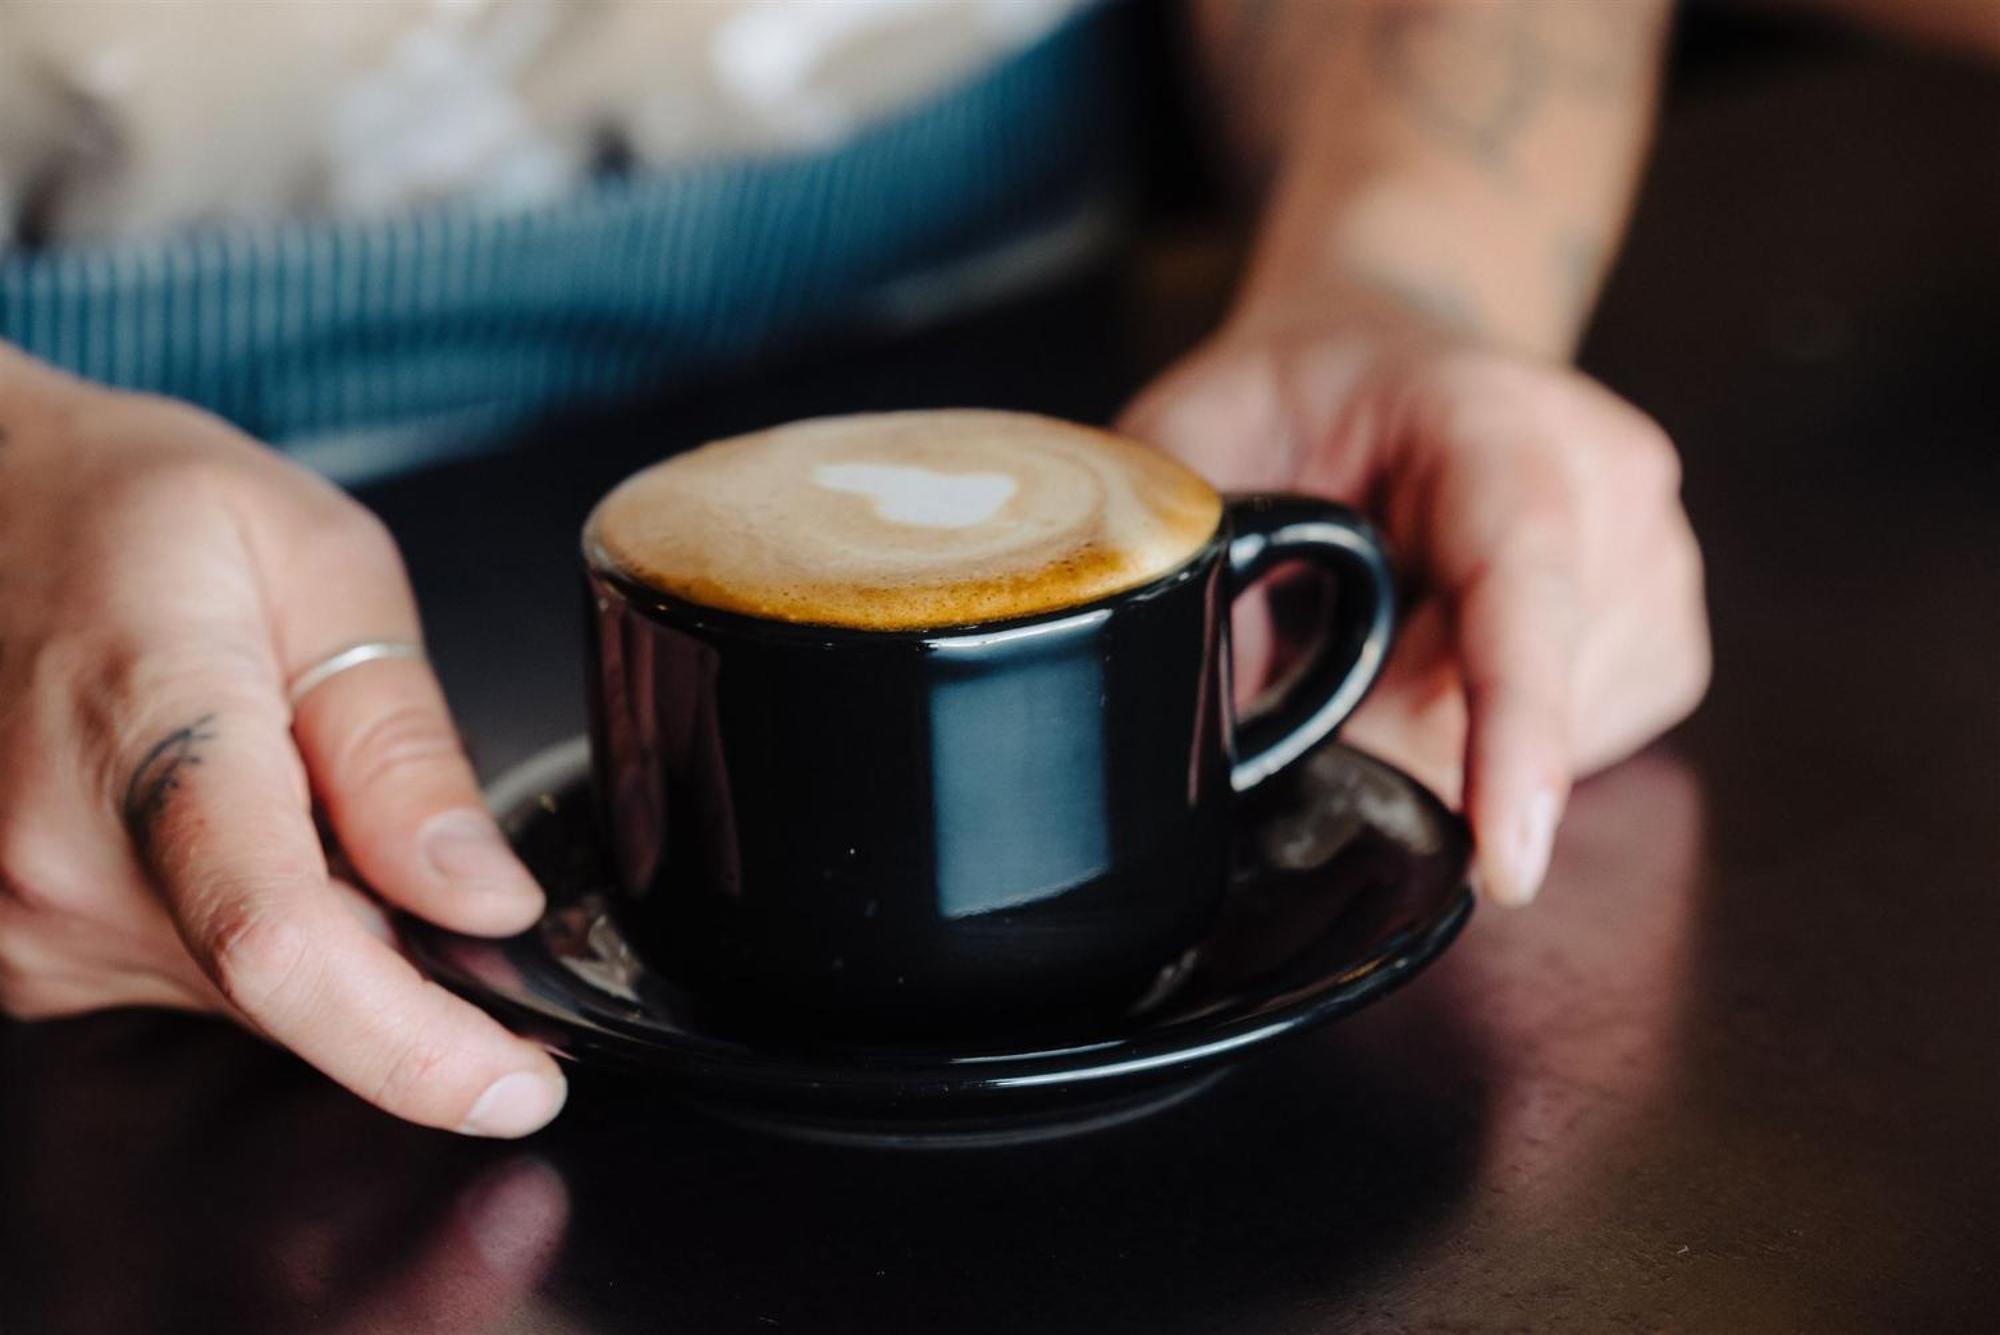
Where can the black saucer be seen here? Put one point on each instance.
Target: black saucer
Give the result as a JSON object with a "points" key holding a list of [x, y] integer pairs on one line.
{"points": [[1351, 877]]}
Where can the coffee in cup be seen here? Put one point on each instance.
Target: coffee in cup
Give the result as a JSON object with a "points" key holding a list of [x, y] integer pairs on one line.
{"points": [[906, 521], [919, 724]]}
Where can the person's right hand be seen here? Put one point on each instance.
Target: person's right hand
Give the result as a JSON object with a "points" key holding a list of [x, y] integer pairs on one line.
{"points": [[162, 579]]}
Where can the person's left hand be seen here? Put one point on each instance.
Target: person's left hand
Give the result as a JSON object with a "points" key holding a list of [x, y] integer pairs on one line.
{"points": [[1558, 622]]}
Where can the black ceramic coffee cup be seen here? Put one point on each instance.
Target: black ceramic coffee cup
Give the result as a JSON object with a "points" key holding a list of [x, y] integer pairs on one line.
{"points": [[970, 831]]}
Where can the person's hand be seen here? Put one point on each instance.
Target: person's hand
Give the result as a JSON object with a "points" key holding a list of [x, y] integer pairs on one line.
{"points": [[1558, 622], [162, 580]]}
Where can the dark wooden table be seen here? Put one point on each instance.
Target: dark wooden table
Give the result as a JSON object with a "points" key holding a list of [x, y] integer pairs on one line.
{"points": [[1736, 1072]]}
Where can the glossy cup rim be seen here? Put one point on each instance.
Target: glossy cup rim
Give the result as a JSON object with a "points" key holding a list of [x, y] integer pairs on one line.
{"points": [[667, 608]]}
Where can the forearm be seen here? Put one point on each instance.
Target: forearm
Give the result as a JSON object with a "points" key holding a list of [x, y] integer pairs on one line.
{"points": [[1473, 159]]}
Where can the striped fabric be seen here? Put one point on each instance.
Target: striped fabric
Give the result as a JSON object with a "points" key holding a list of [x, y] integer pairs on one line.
{"points": [[454, 320]]}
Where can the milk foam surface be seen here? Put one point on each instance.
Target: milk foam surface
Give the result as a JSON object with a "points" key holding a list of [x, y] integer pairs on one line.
{"points": [[910, 520]]}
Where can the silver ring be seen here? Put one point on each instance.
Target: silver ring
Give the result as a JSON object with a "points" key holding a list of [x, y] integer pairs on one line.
{"points": [[354, 655]]}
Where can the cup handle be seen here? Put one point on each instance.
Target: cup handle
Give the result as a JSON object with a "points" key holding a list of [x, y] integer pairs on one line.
{"points": [[1269, 530]]}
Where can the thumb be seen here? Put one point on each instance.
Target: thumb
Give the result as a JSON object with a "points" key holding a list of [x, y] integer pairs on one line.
{"points": [[216, 811]]}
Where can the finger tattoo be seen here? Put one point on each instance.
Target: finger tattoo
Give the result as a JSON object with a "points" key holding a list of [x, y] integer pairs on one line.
{"points": [[159, 773]]}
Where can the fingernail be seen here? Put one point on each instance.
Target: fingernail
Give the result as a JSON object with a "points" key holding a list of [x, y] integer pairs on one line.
{"points": [[516, 1104], [1527, 857], [515, 1213], [465, 846]]}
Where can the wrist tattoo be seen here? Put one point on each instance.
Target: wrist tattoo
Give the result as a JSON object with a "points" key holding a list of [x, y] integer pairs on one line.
{"points": [[1469, 77], [159, 773], [1475, 76], [1436, 299]]}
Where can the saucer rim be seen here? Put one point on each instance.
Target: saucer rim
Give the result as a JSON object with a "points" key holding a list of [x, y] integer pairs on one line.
{"points": [[838, 1073]]}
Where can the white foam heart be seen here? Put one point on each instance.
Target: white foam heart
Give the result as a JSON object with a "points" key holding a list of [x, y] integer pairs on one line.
{"points": [[904, 494]]}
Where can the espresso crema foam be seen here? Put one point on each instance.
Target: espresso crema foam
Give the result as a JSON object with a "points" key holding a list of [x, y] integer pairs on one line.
{"points": [[901, 521]]}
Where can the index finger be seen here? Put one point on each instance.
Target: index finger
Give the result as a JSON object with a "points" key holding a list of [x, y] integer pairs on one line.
{"points": [[1516, 643], [217, 807], [1502, 546]]}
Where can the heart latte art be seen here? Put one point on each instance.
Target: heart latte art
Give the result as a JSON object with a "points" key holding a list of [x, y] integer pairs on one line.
{"points": [[896, 521], [908, 495]]}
